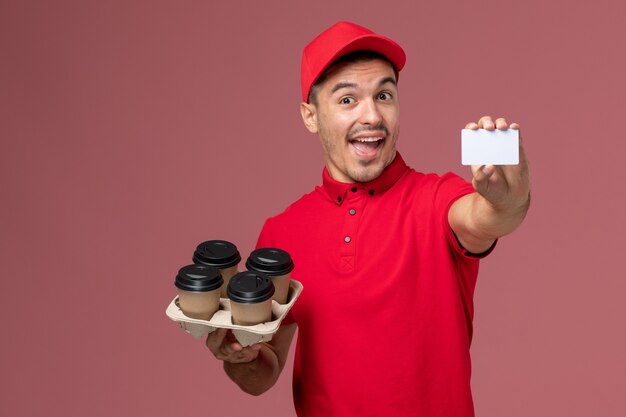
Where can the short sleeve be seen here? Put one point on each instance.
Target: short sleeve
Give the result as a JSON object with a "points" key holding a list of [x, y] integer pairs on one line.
{"points": [[267, 239], [450, 188]]}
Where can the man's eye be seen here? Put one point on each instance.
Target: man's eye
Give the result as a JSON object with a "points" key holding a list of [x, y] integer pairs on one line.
{"points": [[384, 96], [347, 100]]}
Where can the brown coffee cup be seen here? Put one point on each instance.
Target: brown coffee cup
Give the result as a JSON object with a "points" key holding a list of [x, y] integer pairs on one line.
{"points": [[250, 295], [199, 290], [275, 263], [219, 254]]}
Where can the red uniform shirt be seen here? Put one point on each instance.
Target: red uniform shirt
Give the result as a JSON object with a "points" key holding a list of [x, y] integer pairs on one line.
{"points": [[385, 316]]}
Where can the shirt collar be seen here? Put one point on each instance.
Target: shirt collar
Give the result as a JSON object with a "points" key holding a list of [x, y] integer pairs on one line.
{"points": [[337, 190]]}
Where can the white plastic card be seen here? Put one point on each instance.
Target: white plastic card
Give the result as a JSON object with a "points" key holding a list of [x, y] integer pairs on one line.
{"points": [[490, 147]]}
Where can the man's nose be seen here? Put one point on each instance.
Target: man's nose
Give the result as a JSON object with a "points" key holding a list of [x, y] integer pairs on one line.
{"points": [[370, 114]]}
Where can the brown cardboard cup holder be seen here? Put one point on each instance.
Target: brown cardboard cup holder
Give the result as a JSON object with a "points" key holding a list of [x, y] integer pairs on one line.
{"points": [[222, 319]]}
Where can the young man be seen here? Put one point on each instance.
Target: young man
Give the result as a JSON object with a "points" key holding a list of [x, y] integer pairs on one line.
{"points": [[388, 256]]}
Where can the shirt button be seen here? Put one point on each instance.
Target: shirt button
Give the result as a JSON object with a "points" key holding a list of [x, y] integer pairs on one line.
{"points": [[352, 212], [347, 239], [354, 189]]}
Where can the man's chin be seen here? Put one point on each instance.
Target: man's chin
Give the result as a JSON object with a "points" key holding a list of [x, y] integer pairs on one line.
{"points": [[365, 170], [367, 173]]}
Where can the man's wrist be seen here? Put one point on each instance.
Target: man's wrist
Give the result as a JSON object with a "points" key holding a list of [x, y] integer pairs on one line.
{"points": [[510, 206]]}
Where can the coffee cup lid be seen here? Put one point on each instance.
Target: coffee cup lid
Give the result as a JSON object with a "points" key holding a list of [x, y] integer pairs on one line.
{"points": [[199, 278], [250, 287], [270, 261], [218, 253]]}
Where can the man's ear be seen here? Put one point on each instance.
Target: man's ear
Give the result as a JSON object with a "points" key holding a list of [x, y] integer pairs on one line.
{"points": [[309, 116]]}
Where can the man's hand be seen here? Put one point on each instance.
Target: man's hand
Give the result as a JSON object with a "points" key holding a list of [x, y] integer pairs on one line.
{"points": [[503, 186], [254, 368], [224, 346], [500, 202]]}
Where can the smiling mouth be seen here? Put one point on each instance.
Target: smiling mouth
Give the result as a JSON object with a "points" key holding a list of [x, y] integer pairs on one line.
{"points": [[367, 147]]}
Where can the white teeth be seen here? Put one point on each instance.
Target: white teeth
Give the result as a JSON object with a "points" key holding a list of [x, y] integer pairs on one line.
{"points": [[368, 139]]}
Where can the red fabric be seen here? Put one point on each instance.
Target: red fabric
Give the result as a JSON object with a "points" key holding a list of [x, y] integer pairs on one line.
{"points": [[385, 320], [338, 40]]}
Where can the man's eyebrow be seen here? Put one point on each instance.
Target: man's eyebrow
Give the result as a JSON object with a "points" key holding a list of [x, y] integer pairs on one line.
{"points": [[387, 80], [346, 84], [341, 85]]}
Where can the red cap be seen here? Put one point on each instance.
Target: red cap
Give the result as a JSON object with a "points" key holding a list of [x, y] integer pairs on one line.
{"points": [[338, 40]]}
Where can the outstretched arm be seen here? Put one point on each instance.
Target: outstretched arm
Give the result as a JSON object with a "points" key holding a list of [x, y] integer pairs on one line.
{"points": [[500, 202]]}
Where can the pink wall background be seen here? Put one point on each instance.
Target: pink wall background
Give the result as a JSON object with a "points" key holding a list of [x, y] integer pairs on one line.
{"points": [[131, 131]]}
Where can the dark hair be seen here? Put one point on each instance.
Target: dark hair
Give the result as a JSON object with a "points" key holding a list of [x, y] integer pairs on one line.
{"points": [[356, 56]]}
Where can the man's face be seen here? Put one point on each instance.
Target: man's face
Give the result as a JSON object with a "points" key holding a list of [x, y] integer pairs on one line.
{"points": [[357, 119]]}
